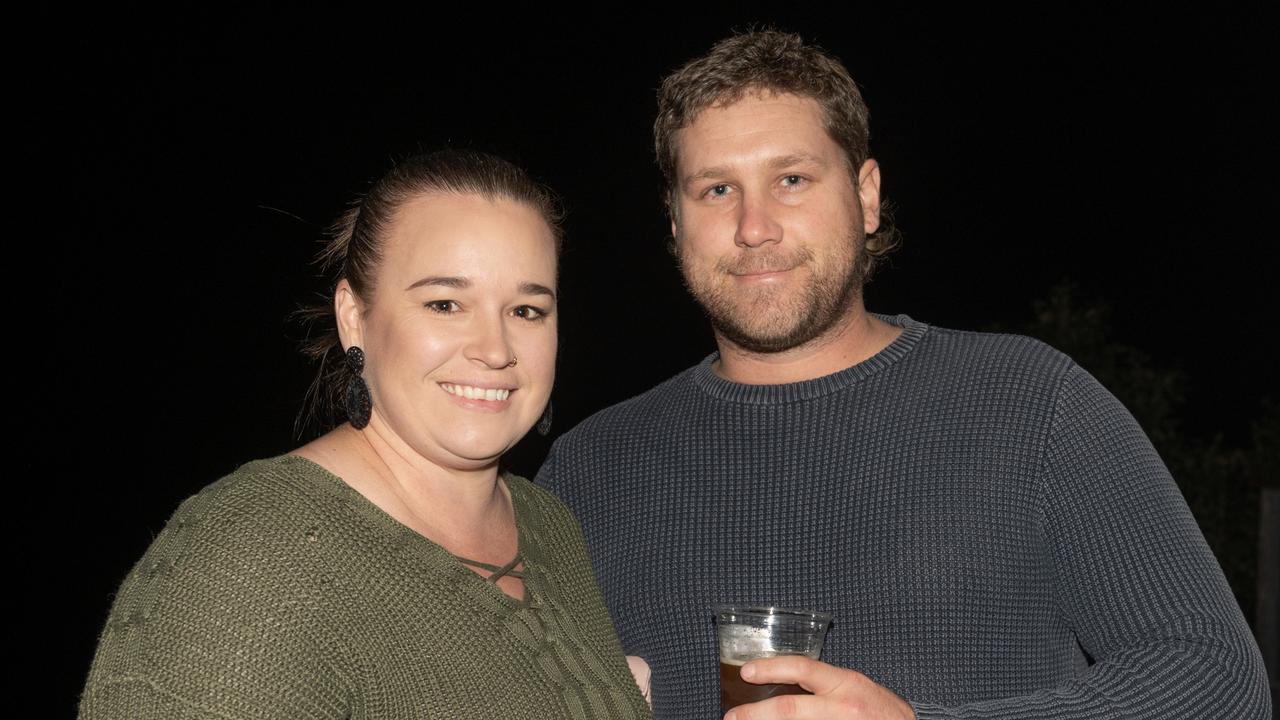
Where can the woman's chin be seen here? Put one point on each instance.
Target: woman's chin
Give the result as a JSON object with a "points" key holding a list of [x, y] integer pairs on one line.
{"points": [[476, 456]]}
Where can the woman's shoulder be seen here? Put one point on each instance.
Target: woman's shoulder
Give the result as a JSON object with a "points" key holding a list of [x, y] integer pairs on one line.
{"points": [[268, 493], [232, 591], [254, 533], [256, 521], [288, 477]]}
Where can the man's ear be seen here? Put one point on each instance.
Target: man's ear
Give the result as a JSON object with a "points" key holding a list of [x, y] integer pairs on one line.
{"points": [[869, 194], [673, 211], [349, 312], [675, 227]]}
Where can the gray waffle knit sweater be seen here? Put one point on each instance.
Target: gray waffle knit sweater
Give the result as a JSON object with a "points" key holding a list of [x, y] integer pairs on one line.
{"points": [[993, 532], [280, 592]]}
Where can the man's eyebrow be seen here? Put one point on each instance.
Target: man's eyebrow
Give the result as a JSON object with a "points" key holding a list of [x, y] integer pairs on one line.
{"points": [[532, 288], [711, 173], [776, 163], [443, 281], [783, 161]]}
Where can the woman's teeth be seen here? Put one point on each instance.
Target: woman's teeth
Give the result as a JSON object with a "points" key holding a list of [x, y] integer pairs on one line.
{"points": [[475, 393]]}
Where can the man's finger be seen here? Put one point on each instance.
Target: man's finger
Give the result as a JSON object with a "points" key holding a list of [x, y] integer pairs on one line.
{"points": [[817, 677], [785, 707]]}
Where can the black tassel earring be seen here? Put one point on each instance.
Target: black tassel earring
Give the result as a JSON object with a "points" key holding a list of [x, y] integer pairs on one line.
{"points": [[358, 401], [544, 422]]}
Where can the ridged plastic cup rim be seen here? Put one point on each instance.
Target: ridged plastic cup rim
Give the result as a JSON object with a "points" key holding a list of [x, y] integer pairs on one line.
{"points": [[770, 611]]}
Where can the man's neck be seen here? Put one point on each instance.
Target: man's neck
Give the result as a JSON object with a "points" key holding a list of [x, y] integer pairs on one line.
{"points": [[858, 336]]}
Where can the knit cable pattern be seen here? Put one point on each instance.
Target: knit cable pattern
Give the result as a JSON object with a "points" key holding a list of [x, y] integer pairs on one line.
{"points": [[280, 592]]}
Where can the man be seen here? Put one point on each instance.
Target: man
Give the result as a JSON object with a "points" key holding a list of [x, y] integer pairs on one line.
{"points": [[992, 531]]}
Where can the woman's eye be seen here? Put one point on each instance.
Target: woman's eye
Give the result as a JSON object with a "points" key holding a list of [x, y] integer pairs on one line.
{"points": [[529, 312], [442, 306]]}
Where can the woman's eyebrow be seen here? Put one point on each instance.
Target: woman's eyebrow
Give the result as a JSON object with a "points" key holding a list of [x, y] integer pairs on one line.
{"points": [[525, 288], [442, 280]]}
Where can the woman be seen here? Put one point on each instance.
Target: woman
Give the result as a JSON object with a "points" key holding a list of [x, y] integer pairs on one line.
{"points": [[387, 570]]}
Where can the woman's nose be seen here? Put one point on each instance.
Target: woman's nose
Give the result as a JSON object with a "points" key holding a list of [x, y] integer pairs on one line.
{"points": [[490, 346]]}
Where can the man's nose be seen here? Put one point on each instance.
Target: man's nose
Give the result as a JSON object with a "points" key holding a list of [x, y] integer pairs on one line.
{"points": [[757, 223]]}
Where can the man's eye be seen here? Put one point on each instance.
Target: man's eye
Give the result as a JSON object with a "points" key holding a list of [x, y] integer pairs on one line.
{"points": [[793, 180], [718, 190], [442, 306]]}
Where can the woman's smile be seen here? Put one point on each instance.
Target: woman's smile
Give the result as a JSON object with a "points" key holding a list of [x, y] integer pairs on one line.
{"points": [[479, 397]]}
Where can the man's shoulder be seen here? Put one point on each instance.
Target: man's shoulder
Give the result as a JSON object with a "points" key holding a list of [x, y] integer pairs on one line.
{"points": [[992, 354], [646, 410]]}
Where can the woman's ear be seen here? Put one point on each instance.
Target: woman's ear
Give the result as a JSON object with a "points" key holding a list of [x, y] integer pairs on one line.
{"points": [[349, 312]]}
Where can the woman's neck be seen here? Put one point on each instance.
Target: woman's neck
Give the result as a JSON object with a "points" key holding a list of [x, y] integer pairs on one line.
{"points": [[457, 507]]}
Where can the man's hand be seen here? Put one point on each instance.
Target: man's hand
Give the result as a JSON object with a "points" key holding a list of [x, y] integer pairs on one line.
{"points": [[837, 693]]}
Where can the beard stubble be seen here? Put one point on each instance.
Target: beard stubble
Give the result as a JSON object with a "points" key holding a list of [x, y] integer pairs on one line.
{"points": [[769, 319]]}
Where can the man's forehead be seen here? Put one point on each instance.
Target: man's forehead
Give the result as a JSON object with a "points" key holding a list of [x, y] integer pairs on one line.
{"points": [[780, 119]]}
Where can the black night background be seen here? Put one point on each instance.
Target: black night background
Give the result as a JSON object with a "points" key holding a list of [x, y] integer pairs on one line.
{"points": [[1103, 181]]}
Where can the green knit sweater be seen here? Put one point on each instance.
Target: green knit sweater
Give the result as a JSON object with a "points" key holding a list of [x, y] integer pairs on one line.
{"points": [[280, 592]]}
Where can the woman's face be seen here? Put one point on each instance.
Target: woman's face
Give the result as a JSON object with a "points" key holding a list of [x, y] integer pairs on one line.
{"points": [[460, 334]]}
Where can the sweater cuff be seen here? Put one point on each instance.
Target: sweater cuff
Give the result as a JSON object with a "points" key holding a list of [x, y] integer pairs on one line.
{"points": [[930, 712]]}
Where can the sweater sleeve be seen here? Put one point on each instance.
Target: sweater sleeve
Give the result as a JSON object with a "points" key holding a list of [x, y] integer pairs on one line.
{"points": [[1146, 598], [214, 622]]}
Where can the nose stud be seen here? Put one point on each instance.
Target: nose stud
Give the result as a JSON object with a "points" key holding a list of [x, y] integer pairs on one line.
{"points": [[513, 362]]}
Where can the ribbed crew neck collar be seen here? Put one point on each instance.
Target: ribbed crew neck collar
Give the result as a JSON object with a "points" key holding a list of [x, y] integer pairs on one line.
{"points": [[709, 382]]}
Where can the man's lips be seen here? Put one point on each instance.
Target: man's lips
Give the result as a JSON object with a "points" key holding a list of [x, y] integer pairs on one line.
{"points": [[761, 274], [759, 267], [763, 271]]}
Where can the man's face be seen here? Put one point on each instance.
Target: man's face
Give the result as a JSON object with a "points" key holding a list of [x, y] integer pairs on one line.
{"points": [[769, 223]]}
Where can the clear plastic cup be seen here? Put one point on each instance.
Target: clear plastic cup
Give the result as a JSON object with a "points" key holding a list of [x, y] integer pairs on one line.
{"points": [[751, 632]]}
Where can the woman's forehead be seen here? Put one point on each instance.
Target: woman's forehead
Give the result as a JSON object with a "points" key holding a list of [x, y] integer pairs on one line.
{"points": [[469, 233]]}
